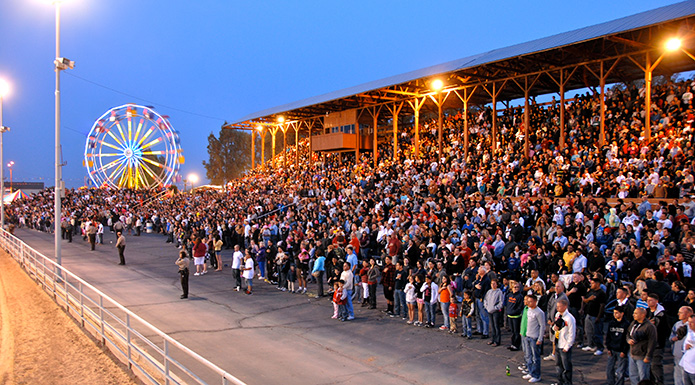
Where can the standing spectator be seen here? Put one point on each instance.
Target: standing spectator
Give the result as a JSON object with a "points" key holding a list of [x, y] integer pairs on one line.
{"points": [[100, 233], [445, 298], [617, 347], [532, 338], [373, 274], [642, 340], [347, 277], [400, 308], [467, 314], [410, 299], [237, 258], [481, 285], [494, 303], [565, 332], [120, 245], [184, 263], [339, 300], [550, 316], [92, 234], [429, 295], [677, 341], [687, 362], [199, 250], [218, 256], [657, 316], [248, 272], [575, 293], [388, 276], [318, 271], [514, 308], [593, 305]]}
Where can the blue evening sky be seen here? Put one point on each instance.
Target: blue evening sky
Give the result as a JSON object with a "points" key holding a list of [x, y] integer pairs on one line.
{"points": [[205, 61]]}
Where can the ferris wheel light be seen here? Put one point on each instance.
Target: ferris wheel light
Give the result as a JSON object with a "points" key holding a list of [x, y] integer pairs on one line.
{"points": [[128, 148]]}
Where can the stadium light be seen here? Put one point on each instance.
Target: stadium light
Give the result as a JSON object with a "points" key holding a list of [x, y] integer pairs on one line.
{"points": [[193, 178], [673, 44], [437, 85], [4, 88]]}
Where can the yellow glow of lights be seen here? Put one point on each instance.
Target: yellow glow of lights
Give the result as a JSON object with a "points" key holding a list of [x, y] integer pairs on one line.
{"points": [[281, 119], [193, 178], [437, 84], [673, 44]]}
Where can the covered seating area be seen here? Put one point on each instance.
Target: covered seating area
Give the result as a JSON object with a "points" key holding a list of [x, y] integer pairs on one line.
{"points": [[637, 47]]}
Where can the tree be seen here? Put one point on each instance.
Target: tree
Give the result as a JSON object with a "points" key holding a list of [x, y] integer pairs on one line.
{"points": [[229, 155]]}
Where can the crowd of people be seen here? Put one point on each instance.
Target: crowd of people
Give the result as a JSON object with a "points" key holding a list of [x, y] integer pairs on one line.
{"points": [[584, 248]]}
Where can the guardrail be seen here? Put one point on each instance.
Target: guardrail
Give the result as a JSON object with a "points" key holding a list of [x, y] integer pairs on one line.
{"points": [[151, 354]]}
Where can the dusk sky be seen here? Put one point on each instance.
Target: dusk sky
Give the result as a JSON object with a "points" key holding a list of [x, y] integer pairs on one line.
{"points": [[203, 62]]}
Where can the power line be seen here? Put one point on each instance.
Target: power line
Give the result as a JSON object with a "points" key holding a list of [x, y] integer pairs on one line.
{"points": [[141, 99]]}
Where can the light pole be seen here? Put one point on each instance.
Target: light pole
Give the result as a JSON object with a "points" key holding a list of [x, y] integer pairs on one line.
{"points": [[9, 165], [61, 64], [4, 89]]}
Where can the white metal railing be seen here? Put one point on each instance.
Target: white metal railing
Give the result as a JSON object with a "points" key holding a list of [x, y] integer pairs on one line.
{"points": [[150, 353]]}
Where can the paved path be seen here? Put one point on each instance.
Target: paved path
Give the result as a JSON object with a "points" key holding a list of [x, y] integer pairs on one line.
{"points": [[280, 338]]}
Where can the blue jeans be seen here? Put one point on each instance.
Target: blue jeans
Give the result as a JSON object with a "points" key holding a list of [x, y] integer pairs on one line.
{"points": [[615, 369], [467, 325], [593, 330], [348, 304], [445, 312], [532, 356], [639, 370], [431, 313], [678, 374], [688, 378], [399, 306], [563, 366], [482, 318]]}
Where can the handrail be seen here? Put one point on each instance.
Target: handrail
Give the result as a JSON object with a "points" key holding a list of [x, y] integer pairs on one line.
{"points": [[9, 241]]}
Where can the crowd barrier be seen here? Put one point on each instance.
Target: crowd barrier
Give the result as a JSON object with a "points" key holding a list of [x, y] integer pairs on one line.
{"points": [[152, 355]]}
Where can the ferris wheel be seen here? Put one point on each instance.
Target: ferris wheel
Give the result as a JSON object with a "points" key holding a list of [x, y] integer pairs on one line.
{"points": [[132, 146]]}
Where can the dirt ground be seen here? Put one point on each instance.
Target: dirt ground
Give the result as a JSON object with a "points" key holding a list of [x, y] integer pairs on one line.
{"points": [[40, 344]]}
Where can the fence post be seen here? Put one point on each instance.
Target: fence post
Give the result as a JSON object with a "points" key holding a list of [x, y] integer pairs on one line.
{"points": [[101, 320], [166, 361], [127, 322], [81, 305]]}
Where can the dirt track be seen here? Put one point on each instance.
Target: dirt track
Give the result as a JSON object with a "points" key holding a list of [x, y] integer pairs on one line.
{"points": [[40, 344]]}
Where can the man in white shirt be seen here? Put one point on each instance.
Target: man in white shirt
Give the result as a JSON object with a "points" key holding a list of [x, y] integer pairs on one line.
{"points": [[248, 272], [687, 362], [347, 277], [565, 332], [237, 257]]}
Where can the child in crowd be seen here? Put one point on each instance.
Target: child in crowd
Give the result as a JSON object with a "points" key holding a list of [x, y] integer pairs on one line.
{"points": [[410, 299], [291, 278], [467, 315], [336, 299], [340, 298], [453, 312]]}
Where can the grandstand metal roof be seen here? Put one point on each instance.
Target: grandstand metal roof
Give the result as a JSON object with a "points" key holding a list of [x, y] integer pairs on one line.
{"points": [[627, 35]]}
